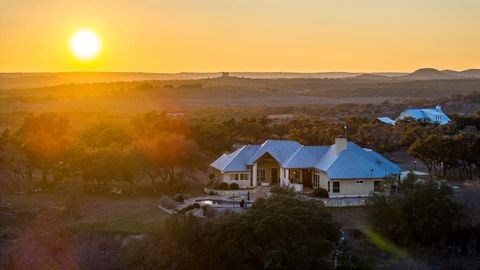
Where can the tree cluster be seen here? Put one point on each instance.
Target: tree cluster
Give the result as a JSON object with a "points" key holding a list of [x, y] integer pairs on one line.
{"points": [[423, 213], [282, 232], [152, 146]]}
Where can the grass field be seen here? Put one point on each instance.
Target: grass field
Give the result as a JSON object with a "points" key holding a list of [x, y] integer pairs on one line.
{"points": [[131, 213], [98, 211]]}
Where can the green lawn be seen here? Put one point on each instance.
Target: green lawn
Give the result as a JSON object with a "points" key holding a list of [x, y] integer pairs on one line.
{"points": [[135, 214], [121, 226], [99, 211]]}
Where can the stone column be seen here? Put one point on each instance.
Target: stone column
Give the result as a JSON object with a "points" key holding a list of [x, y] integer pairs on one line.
{"points": [[287, 177], [254, 174], [282, 173]]}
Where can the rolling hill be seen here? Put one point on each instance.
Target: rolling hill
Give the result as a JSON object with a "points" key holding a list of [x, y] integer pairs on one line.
{"points": [[34, 80]]}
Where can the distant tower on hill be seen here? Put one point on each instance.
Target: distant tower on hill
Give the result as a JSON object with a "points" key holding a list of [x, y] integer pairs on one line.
{"points": [[225, 75]]}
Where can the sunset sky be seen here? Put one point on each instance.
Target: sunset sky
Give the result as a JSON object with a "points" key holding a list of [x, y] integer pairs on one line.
{"points": [[242, 35]]}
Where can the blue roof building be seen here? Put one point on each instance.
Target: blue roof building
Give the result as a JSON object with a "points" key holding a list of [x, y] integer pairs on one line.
{"points": [[387, 120], [343, 169], [433, 115], [436, 116]]}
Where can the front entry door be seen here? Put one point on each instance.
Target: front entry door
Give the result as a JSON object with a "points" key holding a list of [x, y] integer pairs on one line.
{"points": [[275, 179], [307, 177]]}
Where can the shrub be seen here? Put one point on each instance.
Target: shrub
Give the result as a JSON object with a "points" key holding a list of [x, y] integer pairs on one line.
{"points": [[320, 192], [283, 191], [426, 215], [409, 181], [167, 202], [271, 220], [155, 252], [233, 186], [222, 186]]}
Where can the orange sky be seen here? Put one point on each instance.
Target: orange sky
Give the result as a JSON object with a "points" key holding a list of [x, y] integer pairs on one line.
{"points": [[243, 35]]}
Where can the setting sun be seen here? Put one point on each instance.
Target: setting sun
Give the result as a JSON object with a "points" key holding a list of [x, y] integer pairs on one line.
{"points": [[85, 44]]}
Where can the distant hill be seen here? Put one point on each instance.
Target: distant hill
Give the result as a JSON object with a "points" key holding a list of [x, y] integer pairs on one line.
{"points": [[41, 79], [429, 74], [294, 75], [474, 73], [34, 80], [368, 76], [468, 74]]}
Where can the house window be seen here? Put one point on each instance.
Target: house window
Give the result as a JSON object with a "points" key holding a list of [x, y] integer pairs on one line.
{"points": [[261, 174], [239, 176], [336, 187], [377, 186], [316, 180], [328, 186], [360, 182]]}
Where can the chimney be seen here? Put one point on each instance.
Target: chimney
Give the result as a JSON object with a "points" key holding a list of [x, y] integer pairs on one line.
{"points": [[438, 107], [340, 145]]}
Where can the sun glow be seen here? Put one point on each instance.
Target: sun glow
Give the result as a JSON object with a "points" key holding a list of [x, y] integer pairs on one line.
{"points": [[85, 45]]}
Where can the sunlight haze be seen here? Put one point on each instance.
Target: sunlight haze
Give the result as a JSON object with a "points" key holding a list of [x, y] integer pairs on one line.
{"points": [[235, 35]]}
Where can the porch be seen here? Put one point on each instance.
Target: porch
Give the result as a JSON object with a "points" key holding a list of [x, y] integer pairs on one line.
{"points": [[273, 174]]}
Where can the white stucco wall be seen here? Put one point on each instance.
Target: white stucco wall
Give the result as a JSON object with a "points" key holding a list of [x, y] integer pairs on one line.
{"points": [[350, 188], [323, 180], [226, 178]]}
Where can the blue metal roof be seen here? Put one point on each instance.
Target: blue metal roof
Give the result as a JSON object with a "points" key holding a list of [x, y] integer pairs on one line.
{"points": [[280, 150], [305, 157], [356, 162], [353, 162], [434, 115], [236, 161], [387, 120]]}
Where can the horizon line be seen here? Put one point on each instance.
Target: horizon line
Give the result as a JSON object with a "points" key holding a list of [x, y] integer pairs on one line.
{"points": [[200, 72]]}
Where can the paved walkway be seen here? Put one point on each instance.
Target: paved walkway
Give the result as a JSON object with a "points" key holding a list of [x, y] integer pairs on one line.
{"points": [[341, 202]]}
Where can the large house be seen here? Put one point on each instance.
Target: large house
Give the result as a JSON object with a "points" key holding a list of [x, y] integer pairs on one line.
{"points": [[435, 115], [344, 169]]}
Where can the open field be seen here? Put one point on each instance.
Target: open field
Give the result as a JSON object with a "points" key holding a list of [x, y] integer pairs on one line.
{"points": [[131, 213], [101, 212], [329, 99], [223, 92]]}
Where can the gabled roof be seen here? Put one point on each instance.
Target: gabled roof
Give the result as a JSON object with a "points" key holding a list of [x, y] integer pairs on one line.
{"points": [[280, 150], [353, 162], [236, 161], [356, 162], [434, 115], [387, 120]]}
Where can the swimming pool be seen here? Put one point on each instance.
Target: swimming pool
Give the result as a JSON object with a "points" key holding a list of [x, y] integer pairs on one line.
{"points": [[224, 203]]}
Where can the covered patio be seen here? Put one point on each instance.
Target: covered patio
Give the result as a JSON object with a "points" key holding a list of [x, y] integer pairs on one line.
{"points": [[268, 171]]}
